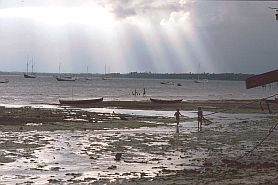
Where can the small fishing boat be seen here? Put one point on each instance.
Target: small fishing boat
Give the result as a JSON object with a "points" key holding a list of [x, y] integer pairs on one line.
{"points": [[201, 81], [80, 101], [165, 101], [167, 83], [29, 75], [32, 74], [66, 79]]}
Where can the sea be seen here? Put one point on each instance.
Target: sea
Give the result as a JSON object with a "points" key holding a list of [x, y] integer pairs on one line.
{"points": [[47, 90]]}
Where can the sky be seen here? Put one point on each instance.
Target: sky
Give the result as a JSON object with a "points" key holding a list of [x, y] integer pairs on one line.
{"points": [[160, 36]]}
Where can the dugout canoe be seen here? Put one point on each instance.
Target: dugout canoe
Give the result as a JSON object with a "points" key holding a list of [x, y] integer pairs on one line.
{"points": [[80, 101], [163, 101]]}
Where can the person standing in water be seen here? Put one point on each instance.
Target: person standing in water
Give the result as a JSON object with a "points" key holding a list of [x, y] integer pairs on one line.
{"points": [[144, 91], [200, 118], [177, 115]]}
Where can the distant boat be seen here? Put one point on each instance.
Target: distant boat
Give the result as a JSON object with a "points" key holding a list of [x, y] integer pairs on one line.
{"points": [[27, 74], [66, 79], [163, 101], [167, 83], [80, 101], [2, 81], [87, 77], [201, 81]]}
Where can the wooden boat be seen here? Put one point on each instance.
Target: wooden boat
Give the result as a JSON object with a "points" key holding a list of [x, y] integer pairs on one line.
{"points": [[167, 83], [165, 101], [66, 79], [32, 74], [80, 101], [29, 75], [201, 81]]}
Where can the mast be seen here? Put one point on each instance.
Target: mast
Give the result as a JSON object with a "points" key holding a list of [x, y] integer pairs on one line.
{"points": [[105, 69], [60, 70], [27, 66], [32, 65]]}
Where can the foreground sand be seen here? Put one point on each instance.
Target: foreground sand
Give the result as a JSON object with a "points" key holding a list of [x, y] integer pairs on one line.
{"points": [[213, 156]]}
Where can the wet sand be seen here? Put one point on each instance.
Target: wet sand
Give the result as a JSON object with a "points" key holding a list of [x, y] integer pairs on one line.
{"points": [[73, 146], [209, 105]]}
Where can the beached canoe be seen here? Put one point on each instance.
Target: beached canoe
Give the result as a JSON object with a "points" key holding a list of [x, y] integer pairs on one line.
{"points": [[80, 101], [165, 101]]}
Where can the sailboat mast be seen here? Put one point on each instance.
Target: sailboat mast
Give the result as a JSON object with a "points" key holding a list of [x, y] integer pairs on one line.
{"points": [[27, 66], [105, 69], [32, 65], [60, 70]]}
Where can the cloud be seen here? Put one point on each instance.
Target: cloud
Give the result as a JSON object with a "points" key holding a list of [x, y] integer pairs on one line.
{"points": [[176, 18], [130, 8]]}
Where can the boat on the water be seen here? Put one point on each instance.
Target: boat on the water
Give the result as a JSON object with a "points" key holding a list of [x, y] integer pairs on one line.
{"points": [[165, 101], [66, 79], [32, 74], [29, 75], [201, 81], [80, 101]]}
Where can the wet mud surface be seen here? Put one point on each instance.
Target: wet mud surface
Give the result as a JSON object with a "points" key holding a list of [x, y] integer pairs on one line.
{"points": [[74, 146]]}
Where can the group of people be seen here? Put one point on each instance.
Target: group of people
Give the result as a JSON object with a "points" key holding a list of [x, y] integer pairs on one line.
{"points": [[136, 93], [200, 119]]}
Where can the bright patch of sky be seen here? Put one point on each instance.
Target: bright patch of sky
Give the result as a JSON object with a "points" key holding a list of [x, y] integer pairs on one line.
{"points": [[138, 35]]}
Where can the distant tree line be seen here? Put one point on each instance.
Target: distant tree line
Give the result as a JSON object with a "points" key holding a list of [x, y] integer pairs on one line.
{"points": [[188, 76]]}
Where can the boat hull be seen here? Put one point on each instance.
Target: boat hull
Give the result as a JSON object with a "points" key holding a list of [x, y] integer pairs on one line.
{"points": [[29, 76], [80, 101], [65, 79], [165, 101]]}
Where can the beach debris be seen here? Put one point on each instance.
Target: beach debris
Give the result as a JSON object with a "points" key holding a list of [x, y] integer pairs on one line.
{"points": [[113, 167], [118, 156], [123, 118], [55, 168]]}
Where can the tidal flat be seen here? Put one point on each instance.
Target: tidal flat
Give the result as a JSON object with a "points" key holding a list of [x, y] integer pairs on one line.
{"points": [[70, 145]]}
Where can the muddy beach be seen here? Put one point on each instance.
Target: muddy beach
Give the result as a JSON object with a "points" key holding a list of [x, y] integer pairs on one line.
{"points": [[70, 145]]}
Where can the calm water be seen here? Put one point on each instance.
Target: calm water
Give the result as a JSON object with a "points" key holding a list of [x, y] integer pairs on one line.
{"points": [[44, 90]]}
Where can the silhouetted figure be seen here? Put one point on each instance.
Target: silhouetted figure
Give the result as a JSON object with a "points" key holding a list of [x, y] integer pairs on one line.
{"points": [[200, 118], [144, 92], [177, 115]]}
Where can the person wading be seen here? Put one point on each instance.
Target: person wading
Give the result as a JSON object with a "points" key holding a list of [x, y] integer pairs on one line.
{"points": [[200, 118], [177, 115]]}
